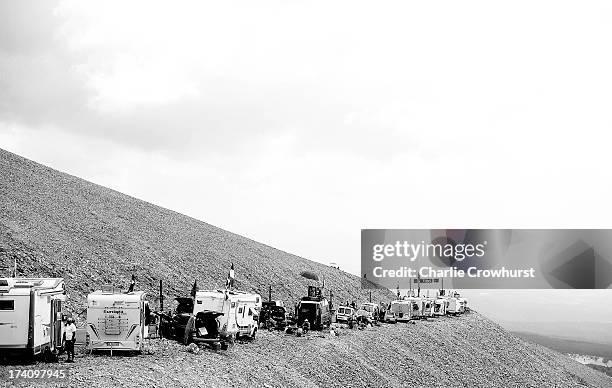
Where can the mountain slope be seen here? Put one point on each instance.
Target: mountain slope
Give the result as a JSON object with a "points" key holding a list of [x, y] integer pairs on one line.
{"points": [[56, 224], [463, 351]]}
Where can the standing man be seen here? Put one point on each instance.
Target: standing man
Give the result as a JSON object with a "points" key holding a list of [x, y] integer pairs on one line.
{"points": [[70, 332]]}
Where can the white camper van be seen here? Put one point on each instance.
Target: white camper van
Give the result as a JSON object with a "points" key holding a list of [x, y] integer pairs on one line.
{"points": [[116, 320], [456, 305], [427, 309], [405, 310], [439, 307], [238, 311], [31, 315]]}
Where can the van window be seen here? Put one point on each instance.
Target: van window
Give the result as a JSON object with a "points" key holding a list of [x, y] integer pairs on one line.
{"points": [[239, 310], [250, 312], [7, 305]]}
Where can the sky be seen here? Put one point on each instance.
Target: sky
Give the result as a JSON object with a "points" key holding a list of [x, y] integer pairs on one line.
{"points": [[298, 124]]}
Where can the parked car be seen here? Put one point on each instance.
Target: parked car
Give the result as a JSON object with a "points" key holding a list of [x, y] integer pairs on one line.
{"points": [[345, 314]]}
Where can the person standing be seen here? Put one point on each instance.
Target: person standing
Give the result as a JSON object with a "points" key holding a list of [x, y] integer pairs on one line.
{"points": [[70, 332]]}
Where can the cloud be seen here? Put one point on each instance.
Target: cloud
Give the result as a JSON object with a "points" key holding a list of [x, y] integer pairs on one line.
{"points": [[283, 120]]}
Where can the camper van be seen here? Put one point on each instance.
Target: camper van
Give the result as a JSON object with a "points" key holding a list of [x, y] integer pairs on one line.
{"points": [[31, 315], [314, 308], [416, 304], [238, 311], [456, 305], [439, 307], [405, 310], [116, 320], [369, 312], [427, 307]]}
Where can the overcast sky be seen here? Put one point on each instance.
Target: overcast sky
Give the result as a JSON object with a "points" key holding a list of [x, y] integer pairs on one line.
{"points": [[298, 124]]}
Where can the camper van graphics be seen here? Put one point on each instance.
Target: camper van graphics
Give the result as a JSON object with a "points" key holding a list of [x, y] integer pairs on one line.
{"points": [[487, 258]]}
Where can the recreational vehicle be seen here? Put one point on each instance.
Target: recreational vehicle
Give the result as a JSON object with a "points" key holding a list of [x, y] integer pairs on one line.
{"points": [[116, 320], [439, 307], [416, 306], [238, 311], [427, 307], [31, 315], [456, 305], [405, 310], [314, 308]]}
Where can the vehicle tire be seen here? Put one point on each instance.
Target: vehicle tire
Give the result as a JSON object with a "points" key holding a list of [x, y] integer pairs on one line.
{"points": [[254, 334], [224, 345], [189, 330]]}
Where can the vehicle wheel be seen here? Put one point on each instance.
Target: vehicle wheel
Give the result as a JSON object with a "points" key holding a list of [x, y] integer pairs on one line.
{"points": [[224, 345], [188, 330], [254, 333]]}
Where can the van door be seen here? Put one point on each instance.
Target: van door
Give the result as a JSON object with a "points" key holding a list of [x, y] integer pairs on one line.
{"points": [[56, 324]]}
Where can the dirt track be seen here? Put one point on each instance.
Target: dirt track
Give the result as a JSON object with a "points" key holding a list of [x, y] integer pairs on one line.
{"points": [[446, 352]]}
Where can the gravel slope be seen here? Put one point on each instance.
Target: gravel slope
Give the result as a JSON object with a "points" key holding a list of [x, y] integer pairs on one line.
{"points": [[58, 225], [466, 351]]}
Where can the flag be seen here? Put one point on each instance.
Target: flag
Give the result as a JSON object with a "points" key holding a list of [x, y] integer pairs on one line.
{"points": [[230, 278], [194, 288]]}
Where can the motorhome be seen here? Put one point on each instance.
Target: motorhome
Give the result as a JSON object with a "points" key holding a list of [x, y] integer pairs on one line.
{"points": [[456, 305], [31, 315], [439, 307], [405, 310], [427, 307], [416, 306], [238, 311], [117, 320]]}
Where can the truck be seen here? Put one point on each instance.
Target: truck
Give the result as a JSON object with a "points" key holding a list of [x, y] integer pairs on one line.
{"points": [[117, 320], [32, 317], [314, 308]]}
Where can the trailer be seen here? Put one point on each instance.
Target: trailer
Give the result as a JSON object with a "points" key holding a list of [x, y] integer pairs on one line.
{"points": [[117, 320], [31, 316]]}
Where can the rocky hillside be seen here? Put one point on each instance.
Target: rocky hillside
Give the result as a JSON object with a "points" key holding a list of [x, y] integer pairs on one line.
{"points": [[59, 225], [464, 351]]}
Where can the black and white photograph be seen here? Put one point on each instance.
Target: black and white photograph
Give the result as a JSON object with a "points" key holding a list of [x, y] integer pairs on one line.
{"points": [[305, 194]]}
